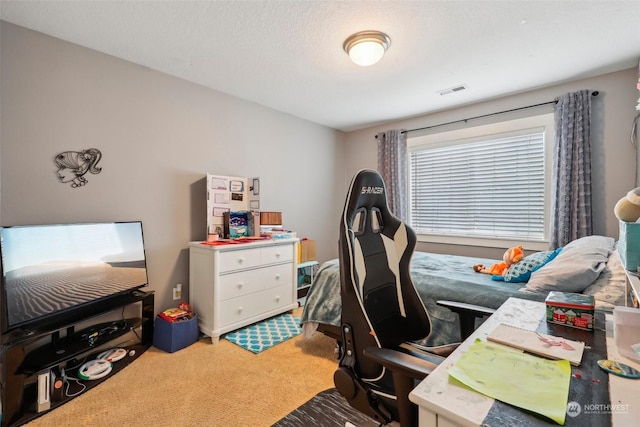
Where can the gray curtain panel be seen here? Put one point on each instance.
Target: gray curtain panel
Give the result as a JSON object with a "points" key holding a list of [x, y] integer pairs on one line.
{"points": [[392, 165], [571, 215]]}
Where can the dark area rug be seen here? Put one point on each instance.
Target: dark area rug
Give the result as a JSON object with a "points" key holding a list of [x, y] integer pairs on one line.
{"points": [[327, 409]]}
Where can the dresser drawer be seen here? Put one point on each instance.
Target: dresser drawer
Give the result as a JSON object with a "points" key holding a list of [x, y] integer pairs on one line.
{"points": [[277, 275], [241, 259], [273, 254], [244, 307], [241, 283]]}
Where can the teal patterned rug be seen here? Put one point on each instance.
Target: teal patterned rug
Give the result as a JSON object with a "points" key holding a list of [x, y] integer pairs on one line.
{"points": [[261, 336]]}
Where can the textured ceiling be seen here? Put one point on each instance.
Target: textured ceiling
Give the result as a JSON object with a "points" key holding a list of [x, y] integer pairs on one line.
{"points": [[287, 55]]}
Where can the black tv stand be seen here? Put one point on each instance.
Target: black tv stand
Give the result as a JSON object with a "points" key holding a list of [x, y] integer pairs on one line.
{"points": [[63, 349], [20, 366]]}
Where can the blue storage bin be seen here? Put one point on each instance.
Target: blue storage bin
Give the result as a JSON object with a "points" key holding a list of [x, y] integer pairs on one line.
{"points": [[174, 336]]}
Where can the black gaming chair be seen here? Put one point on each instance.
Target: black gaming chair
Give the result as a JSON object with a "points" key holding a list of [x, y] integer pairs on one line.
{"points": [[381, 309]]}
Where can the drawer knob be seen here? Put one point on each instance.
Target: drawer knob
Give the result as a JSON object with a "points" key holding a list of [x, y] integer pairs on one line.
{"points": [[240, 260], [240, 285], [277, 276], [278, 298], [277, 254], [239, 309]]}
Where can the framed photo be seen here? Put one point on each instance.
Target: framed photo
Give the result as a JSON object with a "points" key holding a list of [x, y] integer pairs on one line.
{"points": [[219, 211], [236, 186], [221, 198]]}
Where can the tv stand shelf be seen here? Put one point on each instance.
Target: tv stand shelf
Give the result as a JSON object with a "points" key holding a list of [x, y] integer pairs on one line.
{"points": [[64, 321], [21, 365], [59, 351], [30, 391]]}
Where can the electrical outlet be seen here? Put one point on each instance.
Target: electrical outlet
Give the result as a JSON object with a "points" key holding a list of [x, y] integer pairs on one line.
{"points": [[177, 292]]}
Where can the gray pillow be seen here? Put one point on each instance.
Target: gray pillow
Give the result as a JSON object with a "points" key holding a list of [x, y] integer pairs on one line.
{"points": [[576, 267]]}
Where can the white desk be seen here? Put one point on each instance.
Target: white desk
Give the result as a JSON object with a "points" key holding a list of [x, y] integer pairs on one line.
{"points": [[632, 294], [622, 391], [442, 404]]}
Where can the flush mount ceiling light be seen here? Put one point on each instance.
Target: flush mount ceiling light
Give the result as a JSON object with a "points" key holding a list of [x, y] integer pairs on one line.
{"points": [[366, 47]]}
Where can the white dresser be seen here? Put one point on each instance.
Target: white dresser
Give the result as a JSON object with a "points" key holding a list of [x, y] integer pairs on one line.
{"points": [[235, 285]]}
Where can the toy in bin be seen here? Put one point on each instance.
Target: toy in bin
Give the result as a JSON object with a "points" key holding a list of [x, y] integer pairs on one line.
{"points": [[182, 312], [176, 328]]}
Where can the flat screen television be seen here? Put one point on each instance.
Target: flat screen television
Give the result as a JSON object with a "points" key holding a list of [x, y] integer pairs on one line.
{"points": [[50, 271]]}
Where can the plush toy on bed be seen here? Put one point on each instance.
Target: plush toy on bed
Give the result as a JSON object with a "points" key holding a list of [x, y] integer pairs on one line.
{"points": [[517, 268], [510, 257]]}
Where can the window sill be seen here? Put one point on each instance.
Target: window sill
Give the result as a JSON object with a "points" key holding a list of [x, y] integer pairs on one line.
{"points": [[484, 242]]}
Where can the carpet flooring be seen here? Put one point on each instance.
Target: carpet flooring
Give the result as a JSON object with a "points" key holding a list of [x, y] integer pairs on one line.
{"points": [[205, 385]]}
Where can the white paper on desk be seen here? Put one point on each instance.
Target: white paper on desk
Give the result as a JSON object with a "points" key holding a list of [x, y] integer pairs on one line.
{"points": [[529, 341]]}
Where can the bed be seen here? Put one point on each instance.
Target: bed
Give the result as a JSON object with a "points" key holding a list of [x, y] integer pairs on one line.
{"points": [[590, 265]]}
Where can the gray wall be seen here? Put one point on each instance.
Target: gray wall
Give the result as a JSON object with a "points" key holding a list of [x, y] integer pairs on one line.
{"points": [[159, 136], [614, 158]]}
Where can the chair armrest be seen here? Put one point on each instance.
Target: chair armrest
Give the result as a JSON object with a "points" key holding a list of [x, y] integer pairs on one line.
{"points": [[462, 307], [439, 352], [401, 363]]}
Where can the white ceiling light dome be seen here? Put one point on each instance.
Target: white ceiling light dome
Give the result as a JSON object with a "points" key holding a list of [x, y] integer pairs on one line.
{"points": [[366, 47]]}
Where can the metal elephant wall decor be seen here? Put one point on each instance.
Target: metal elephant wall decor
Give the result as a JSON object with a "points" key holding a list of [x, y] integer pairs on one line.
{"points": [[73, 165]]}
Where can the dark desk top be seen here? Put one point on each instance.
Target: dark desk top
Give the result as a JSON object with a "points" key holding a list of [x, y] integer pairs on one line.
{"points": [[588, 389]]}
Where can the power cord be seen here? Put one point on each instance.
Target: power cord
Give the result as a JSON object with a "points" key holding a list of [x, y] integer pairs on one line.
{"points": [[67, 381], [136, 333], [131, 328]]}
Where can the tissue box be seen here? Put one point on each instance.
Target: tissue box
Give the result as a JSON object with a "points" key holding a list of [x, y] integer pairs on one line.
{"points": [[174, 336], [629, 245], [626, 330], [574, 310]]}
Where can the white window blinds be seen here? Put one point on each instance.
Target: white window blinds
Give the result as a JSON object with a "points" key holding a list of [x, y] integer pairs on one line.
{"points": [[493, 188]]}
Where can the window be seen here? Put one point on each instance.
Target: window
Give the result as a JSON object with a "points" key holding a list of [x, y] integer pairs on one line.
{"points": [[483, 184]]}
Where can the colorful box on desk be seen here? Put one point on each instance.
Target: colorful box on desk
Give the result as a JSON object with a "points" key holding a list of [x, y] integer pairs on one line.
{"points": [[174, 336], [575, 310], [629, 245], [238, 224]]}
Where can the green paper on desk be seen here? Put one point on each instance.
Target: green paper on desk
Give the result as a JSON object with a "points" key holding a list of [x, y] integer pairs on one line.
{"points": [[519, 379]]}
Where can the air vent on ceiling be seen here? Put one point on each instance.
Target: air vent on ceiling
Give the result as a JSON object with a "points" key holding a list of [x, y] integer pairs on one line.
{"points": [[458, 88]]}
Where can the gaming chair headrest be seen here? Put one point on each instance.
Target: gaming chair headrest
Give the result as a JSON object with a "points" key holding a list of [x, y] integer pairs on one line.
{"points": [[367, 192], [368, 184]]}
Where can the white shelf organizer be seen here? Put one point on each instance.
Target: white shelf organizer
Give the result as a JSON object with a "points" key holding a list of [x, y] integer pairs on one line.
{"points": [[306, 273]]}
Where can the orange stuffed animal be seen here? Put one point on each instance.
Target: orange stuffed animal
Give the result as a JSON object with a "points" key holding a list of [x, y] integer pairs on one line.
{"points": [[510, 257]]}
